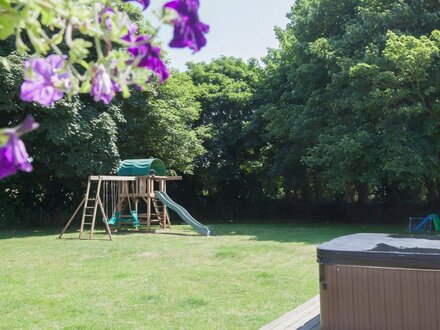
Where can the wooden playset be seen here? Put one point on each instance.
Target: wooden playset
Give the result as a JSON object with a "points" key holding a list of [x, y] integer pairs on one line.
{"points": [[136, 197]]}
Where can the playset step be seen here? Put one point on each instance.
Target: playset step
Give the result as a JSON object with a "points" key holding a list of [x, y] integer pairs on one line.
{"points": [[87, 208]]}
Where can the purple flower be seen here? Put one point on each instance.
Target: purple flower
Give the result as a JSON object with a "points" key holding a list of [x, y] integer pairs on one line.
{"points": [[189, 31], [149, 57], [131, 35], [13, 155], [103, 87], [44, 80], [144, 3]]}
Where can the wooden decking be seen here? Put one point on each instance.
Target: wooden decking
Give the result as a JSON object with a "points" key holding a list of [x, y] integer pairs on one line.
{"points": [[304, 317]]}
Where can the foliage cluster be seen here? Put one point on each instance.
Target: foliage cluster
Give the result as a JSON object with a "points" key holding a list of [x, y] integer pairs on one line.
{"points": [[80, 137], [353, 101], [347, 110]]}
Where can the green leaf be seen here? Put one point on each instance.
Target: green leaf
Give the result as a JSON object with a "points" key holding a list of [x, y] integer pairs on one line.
{"points": [[41, 46], [7, 25], [58, 37], [85, 87], [79, 49], [4, 61], [125, 91], [3, 138], [47, 16], [19, 42]]}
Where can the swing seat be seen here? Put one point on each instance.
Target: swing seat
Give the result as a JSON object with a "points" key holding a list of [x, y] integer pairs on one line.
{"points": [[136, 222], [133, 219], [115, 219]]}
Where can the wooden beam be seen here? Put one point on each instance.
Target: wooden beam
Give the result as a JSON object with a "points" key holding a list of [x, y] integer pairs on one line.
{"points": [[132, 178], [72, 217], [112, 178], [149, 192], [105, 219], [168, 178]]}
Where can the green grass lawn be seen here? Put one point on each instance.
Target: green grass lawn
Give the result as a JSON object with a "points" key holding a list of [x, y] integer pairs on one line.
{"points": [[242, 278]]}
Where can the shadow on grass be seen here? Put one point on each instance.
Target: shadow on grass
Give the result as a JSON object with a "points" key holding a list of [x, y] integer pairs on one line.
{"points": [[50, 233], [298, 231], [99, 234], [175, 233], [154, 232], [301, 232], [20, 233]]}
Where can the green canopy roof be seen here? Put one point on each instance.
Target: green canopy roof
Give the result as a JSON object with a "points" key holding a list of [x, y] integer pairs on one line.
{"points": [[141, 167]]}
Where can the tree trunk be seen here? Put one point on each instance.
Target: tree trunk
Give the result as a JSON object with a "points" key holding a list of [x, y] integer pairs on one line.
{"points": [[363, 192]]}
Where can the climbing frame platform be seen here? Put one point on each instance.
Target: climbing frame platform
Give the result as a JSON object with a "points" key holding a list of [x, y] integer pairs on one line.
{"points": [[106, 194]]}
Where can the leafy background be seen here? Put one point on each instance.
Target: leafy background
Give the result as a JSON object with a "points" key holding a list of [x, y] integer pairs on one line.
{"points": [[341, 121]]}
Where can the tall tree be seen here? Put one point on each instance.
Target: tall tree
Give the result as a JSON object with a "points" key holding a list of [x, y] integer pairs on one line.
{"points": [[80, 137], [225, 90], [352, 107]]}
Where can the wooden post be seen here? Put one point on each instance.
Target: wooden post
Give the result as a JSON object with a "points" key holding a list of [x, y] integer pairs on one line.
{"points": [[149, 192], [72, 217], [98, 189], [105, 219]]}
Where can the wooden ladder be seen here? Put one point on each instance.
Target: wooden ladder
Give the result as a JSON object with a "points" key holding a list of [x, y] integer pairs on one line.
{"points": [[161, 214], [89, 212]]}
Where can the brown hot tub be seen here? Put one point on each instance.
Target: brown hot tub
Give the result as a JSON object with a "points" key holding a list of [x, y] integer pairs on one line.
{"points": [[380, 281]]}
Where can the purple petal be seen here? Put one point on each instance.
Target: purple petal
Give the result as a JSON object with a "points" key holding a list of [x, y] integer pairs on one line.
{"points": [[189, 34], [13, 157], [42, 93], [172, 4], [132, 29], [184, 7], [28, 90], [108, 12], [55, 61], [28, 125], [39, 69], [42, 80], [103, 88], [189, 31], [144, 3], [149, 56]]}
